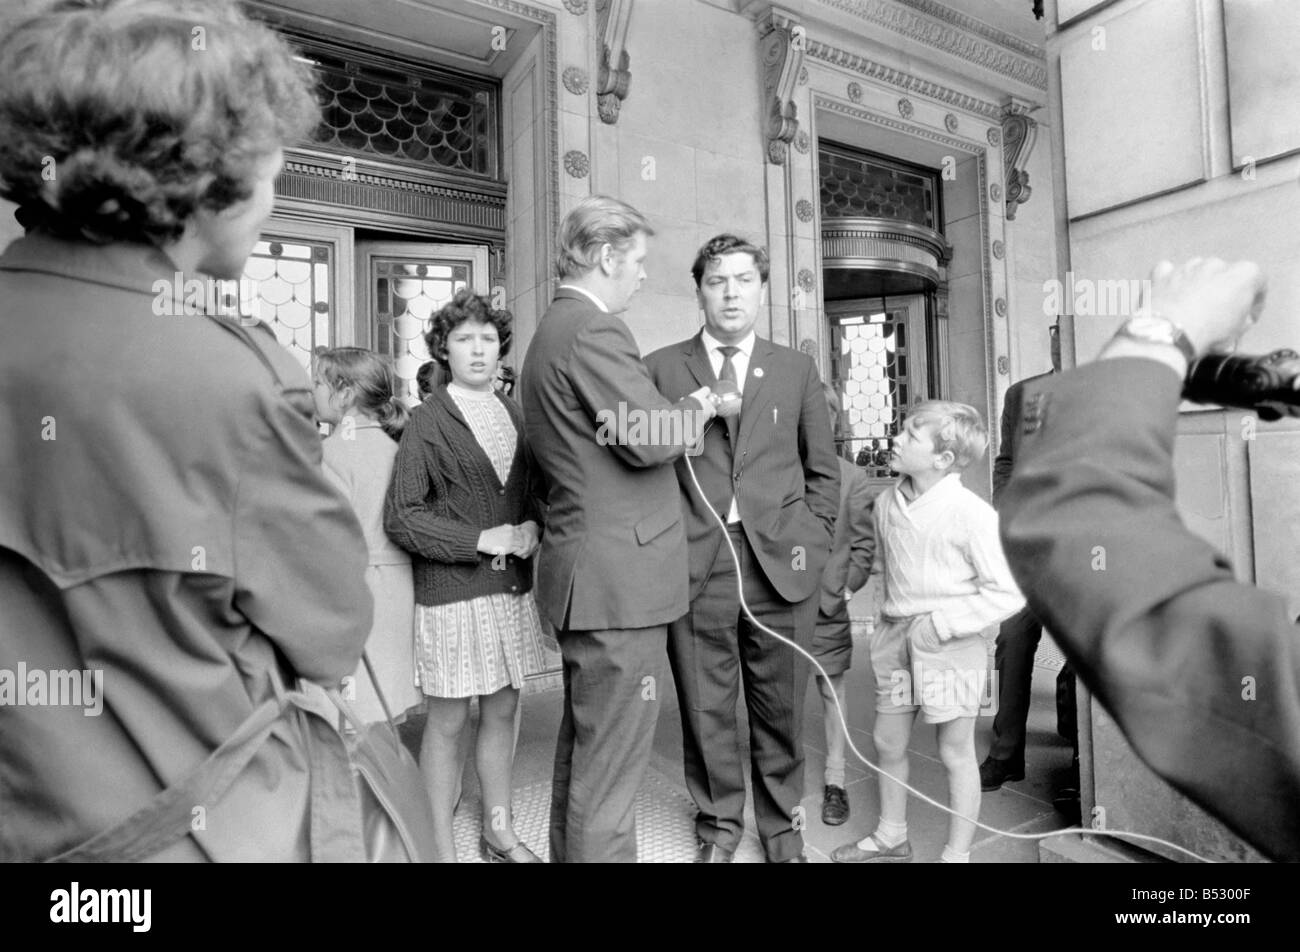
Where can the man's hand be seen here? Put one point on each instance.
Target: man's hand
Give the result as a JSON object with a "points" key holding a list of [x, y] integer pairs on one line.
{"points": [[526, 539], [1212, 301]]}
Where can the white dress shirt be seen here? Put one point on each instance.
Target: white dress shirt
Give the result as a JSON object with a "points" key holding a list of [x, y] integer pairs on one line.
{"points": [[739, 360]]}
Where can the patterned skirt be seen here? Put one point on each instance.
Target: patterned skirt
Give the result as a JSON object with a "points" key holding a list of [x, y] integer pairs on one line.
{"points": [[477, 646]]}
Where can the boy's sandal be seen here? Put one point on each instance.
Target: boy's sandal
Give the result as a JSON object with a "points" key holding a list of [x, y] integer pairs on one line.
{"points": [[850, 853]]}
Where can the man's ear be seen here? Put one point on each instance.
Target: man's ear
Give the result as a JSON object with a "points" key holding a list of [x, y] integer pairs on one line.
{"points": [[945, 460], [762, 294], [608, 259]]}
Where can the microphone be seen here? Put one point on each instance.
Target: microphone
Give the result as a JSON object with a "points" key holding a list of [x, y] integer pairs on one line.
{"points": [[1267, 384], [726, 398]]}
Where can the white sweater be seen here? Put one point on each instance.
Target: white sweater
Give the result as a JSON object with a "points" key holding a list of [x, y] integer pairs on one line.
{"points": [[940, 554]]}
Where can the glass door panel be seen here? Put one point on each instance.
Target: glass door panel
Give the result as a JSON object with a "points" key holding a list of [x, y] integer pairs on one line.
{"points": [[402, 284]]}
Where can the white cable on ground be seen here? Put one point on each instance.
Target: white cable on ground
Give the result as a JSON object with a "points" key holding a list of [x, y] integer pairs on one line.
{"points": [[740, 587]]}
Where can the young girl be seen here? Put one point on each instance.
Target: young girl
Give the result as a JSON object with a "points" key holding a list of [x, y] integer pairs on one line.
{"points": [[354, 394], [463, 502]]}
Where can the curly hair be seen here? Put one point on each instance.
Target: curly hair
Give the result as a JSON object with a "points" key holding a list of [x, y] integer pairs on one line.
{"points": [[465, 306], [119, 119], [720, 245]]}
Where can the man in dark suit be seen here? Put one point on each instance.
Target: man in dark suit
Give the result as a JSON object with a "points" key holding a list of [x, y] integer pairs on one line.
{"points": [[612, 566], [770, 473], [1019, 635], [1201, 672]]}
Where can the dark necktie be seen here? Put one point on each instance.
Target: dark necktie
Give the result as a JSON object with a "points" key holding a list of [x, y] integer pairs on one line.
{"points": [[728, 375]]}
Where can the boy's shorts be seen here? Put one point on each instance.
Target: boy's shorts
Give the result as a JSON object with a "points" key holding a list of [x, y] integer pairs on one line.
{"points": [[913, 669]]}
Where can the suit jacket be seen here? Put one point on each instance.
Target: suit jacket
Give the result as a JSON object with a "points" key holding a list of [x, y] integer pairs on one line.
{"points": [[854, 546], [173, 530], [783, 470], [614, 551], [1005, 459], [1164, 637]]}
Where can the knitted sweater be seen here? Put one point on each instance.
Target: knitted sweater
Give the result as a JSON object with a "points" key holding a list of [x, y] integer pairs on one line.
{"points": [[445, 492]]}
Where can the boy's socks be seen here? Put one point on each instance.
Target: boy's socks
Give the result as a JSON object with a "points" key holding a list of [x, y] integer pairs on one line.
{"points": [[950, 855], [834, 774], [887, 834]]}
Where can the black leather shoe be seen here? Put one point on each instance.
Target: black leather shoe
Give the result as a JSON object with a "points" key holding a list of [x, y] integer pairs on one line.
{"points": [[994, 773], [835, 805], [712, 853], [519, 853]]}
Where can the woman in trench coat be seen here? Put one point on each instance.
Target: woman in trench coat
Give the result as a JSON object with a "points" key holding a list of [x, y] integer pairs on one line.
{"points": [[172, 557]]}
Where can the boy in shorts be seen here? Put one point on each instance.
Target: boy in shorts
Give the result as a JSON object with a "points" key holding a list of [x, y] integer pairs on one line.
{"points": [[945, 580]]}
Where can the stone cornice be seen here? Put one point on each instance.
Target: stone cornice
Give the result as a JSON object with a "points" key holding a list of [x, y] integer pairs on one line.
{"points": [[932, 23], [903, 80]]}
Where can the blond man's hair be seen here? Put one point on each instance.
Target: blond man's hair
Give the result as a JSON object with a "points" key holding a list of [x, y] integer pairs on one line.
{"points": [[954, 427]]}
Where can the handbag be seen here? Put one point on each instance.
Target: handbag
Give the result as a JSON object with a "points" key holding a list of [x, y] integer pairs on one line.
{"points": [[396, 817]]}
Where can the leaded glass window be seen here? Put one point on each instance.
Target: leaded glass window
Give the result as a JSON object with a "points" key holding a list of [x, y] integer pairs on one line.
{"points": [[407, 292], [286, 284], [857, 185]]}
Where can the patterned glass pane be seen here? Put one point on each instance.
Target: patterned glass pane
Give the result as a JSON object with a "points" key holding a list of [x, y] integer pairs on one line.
{"points": [[286, 283], [860, 186], [870, 373], [408, 114], [407, 292]]}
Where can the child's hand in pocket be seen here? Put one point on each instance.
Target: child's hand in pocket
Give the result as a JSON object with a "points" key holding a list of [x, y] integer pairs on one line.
{"points": [[925, 635]]}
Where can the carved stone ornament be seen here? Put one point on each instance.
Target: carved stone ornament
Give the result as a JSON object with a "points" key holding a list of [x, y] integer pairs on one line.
{"points": [[855, 92], [575, 80], [1000, 306], [804, 210], [806, 280], [576, 163], [995, 192], [576, 7], [905, 108], [1019, 132], [808, 346], [1004, 366], [803, 76], [782, 58], [615, 74], [801, 142], [999, 249], [950, 122], [995, 137]]}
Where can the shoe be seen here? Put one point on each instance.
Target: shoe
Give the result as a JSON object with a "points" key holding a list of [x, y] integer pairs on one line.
{"points": [[712, 853], [793, 859], [849, 853], [994, 772], [515, 854], [835, 805]]}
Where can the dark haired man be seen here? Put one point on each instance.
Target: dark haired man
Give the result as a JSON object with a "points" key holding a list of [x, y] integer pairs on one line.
{"points": [[770, 473]]}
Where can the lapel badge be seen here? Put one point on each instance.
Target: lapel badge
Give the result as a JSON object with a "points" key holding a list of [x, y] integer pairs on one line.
{"points": [[758, 371]]}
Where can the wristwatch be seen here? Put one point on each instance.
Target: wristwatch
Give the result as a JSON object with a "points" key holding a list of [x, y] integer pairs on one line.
{"points": [[1157, 329]]}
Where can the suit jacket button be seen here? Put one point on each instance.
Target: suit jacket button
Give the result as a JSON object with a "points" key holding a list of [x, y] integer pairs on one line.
{"points": [[502, 493]]}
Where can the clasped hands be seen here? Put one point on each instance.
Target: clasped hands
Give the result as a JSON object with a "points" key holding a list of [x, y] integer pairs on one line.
{"points": [[520, 541]]}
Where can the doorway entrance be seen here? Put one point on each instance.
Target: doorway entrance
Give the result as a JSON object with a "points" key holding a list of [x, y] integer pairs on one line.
{"points": [[330, 285]]}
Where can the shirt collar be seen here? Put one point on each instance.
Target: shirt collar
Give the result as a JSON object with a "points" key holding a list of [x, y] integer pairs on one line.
{"points": [[583, 291], [711, 343], [940, 490]]}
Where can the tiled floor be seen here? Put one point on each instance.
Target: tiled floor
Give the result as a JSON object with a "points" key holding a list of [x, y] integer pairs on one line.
{"points": [[664, 809]]}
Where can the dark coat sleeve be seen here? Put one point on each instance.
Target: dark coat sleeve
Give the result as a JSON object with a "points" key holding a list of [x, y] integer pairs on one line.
{"points": [[1006, 445], [606, 372], [300, 554], [1201, 672], [821, 468], [862, 531]]}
